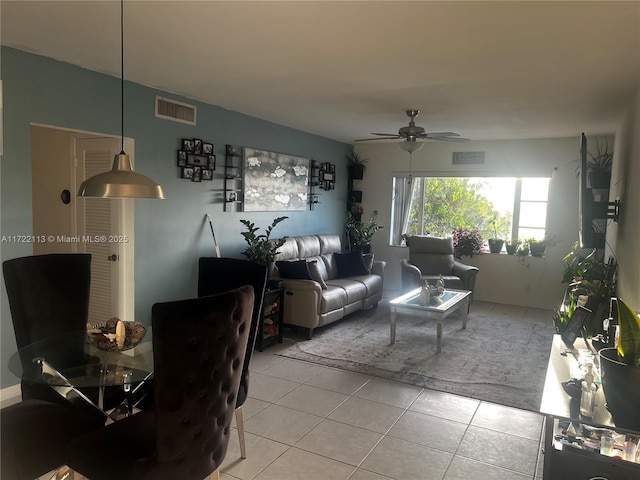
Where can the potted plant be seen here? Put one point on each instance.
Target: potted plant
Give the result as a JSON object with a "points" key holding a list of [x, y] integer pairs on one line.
{"points": [[523, 248], [537, 247], [620, 370], [260, 248], [356, 165], [599, 165], [589, 276], [495, 243], [512, 246], [467, 242], [359, 233]]}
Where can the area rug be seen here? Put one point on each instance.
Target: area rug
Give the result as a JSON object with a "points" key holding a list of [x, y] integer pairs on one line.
{"points": [[501, 357]]}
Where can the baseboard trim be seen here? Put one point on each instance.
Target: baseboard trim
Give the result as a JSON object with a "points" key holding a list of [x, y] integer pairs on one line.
{"points": [[10, 395]]}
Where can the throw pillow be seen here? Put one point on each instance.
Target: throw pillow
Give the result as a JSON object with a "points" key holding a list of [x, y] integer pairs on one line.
{"points": [[350, 264], [314, 273], [368, 261], [296, 269]]}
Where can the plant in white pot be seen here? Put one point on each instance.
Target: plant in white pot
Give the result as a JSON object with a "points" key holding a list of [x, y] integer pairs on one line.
{"points": [[621, 370]]}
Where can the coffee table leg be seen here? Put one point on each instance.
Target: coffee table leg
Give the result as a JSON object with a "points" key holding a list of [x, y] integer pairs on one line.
{"points": [[464, 309], [439, 338], [392, 327]]}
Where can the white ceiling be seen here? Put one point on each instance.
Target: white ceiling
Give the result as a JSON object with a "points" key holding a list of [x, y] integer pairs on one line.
{"points": [[343, 69]]}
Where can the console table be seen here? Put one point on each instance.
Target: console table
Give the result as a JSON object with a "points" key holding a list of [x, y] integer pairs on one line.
{"points": [[568, 461]]}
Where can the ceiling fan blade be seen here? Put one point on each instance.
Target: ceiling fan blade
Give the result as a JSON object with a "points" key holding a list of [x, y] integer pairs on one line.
{"points": [[387, 134], [395, 137], [442, 134], [450, 139]]}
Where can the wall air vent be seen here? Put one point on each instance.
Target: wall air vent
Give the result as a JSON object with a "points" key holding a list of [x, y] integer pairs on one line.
{"points": [[176, 111], [468, 158]]}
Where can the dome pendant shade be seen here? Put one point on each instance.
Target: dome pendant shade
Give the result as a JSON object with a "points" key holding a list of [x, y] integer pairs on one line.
{"points": [[120, 182], [411, 145]]}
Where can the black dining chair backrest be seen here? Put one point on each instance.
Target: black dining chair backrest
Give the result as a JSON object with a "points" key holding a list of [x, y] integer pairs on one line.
{"points": [[198, 348], [217, 275], [48, 294]]}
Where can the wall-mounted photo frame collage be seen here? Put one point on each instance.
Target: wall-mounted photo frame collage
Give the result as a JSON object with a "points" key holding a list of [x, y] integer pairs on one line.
{"points": [[327, 176], [196, 160]]}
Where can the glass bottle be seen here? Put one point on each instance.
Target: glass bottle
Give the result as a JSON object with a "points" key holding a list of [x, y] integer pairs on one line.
{"points": [[588, 397]]}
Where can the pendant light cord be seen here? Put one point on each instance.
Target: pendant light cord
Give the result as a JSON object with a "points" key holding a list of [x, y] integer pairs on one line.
{"points": [[121, 76]]}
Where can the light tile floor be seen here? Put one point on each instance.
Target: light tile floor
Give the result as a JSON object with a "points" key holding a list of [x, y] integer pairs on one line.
{"points": [[305, 421], [309, 422]]}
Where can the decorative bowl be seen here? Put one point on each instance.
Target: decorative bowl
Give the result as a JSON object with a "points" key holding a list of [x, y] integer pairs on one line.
{"points": [[102, 334]]}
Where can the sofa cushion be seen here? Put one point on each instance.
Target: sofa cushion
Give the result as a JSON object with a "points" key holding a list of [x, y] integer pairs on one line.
{"points": [[373, 283], [330, 266], [333, 298], [315, 273], [350, 264], [295, 269], [308, 246], [355, 290]]}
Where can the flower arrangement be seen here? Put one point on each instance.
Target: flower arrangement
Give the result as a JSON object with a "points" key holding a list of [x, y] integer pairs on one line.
{"points": [[467, 242]]}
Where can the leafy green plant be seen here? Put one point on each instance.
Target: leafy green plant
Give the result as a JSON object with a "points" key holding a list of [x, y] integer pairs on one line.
{"points": [[467, 242], [354, 158], [261, 248], [561, 317], [629, 340], [602, 161], [360, 233], [588, 275]]}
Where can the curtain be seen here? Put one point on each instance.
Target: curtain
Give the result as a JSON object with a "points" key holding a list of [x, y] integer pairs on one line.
{"points": [[403, 188]]}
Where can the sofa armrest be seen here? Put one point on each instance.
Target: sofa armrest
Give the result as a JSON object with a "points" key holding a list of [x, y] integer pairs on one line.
{"points": [[411, 275], [467, 273], [302, 302], [378, 267]]}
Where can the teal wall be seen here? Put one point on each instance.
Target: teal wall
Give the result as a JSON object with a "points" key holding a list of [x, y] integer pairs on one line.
{"points": [[170, 234]]}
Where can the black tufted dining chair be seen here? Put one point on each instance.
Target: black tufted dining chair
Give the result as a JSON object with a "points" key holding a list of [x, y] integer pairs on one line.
{"points": [[49, 295], [219, 274], [33, 436], [198, 348]]}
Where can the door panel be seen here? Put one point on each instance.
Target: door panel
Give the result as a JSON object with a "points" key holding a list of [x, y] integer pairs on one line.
{"points": [[98, 225], [61, 160]]}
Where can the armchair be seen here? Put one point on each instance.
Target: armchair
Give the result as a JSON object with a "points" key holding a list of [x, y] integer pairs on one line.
{"points": [[430, 257]]}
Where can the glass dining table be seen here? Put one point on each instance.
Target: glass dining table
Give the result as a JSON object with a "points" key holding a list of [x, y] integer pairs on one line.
{"points": [[72, 362]]}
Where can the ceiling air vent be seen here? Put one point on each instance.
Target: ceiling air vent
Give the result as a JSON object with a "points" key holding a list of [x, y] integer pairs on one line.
{"points": [[468, 158], [176, 111]]}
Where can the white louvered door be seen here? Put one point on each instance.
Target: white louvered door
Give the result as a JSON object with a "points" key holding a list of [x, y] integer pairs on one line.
{"points": [[101, 231]]}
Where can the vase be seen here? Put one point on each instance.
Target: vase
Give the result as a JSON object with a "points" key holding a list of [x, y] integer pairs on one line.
{"points": [[495, 245], [600, 180], [537, 249], [621, 384], [425, 296]]}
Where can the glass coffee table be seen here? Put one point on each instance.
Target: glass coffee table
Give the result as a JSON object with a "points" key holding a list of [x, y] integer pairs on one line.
{"points": [[409, 304]]}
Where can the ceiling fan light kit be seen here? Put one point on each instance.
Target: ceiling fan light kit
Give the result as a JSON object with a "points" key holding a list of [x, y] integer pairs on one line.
{"points": [[121, 181], [411, 135], [411, 145]]}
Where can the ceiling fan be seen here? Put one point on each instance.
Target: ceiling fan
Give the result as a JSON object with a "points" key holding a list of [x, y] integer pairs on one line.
{"points": [[411, 134]]}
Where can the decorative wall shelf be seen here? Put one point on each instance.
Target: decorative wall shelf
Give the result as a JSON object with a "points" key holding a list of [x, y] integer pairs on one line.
{"points": [[233, 179]]}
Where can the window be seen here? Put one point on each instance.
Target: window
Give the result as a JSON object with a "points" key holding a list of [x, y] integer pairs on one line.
{"points": [[504, 207]]}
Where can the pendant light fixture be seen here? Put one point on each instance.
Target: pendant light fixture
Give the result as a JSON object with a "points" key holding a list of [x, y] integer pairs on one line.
{"points": [[411, 145], [121, 181]]}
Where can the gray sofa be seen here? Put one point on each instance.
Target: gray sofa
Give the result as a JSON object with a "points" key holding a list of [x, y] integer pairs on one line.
{"points": [[307, 302]]}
